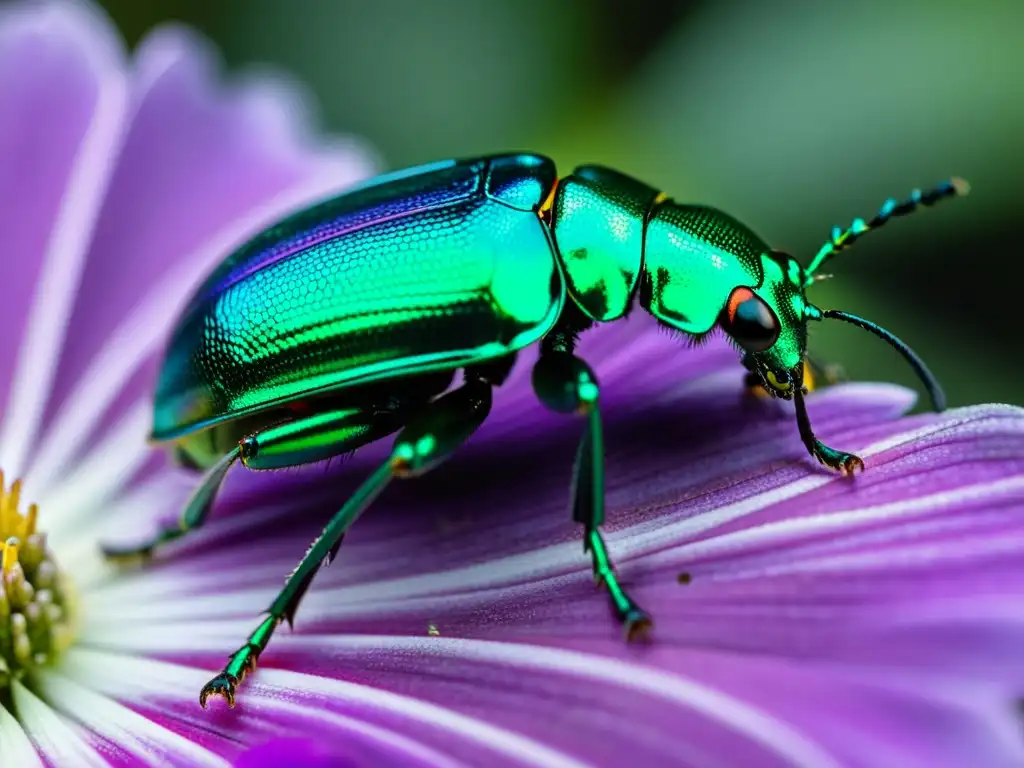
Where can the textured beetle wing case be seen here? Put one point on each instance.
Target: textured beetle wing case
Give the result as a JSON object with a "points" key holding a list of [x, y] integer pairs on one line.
{"points": [[422, 270]]}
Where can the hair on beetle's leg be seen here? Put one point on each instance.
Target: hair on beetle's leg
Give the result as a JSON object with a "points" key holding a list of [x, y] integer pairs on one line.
{"points": [[566, 384], [192, 518], [430, 438]]}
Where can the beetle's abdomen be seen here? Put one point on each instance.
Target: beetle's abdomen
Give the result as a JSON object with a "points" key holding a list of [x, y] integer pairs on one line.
{"points": [[430, 269], [598, 222]]}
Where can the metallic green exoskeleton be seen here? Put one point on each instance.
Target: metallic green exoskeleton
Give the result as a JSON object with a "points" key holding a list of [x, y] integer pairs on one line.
{"points": [[348, 322]]}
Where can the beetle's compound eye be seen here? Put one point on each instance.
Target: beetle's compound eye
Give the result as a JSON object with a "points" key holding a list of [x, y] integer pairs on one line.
{"points": [[749, 320]]}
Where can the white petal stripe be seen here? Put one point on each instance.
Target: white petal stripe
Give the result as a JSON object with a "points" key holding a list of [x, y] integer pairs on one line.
{"points": [[58, 742], [106, 469], [732, 713], [15, 746], [777, 532], [65, 259], [395, 741], [115, 722], [126, 601], [142, 333], [130, 677]]}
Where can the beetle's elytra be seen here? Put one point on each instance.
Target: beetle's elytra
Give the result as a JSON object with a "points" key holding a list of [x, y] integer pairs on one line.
{"points": [[349, 320]]}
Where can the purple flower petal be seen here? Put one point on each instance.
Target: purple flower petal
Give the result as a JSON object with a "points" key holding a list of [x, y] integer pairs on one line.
{"points": [[821, 621], [196, 161], [103, 240], [348, 753], [63, 94], [200, 169], [824, 619]]}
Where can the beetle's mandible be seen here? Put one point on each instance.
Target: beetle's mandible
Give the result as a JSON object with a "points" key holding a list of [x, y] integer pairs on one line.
{"points": [[349, 320]]}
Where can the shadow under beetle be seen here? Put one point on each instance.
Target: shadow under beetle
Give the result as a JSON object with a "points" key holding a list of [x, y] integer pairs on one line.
{"points": [[347, 322]]}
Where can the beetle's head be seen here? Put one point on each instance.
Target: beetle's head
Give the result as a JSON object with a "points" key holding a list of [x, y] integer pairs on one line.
{"points": [[769, 323], [757, 296]]}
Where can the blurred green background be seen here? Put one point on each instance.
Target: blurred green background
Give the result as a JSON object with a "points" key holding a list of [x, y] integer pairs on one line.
{"points": [[792, 116]]}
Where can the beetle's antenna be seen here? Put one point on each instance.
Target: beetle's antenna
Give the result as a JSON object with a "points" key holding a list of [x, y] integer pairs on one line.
{"points": [[844, 238], [935, 392]]}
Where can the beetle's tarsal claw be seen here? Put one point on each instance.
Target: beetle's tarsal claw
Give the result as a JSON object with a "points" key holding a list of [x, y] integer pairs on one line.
{"points": [[222, 685], [637, 625], [851, 464], [846, 463]]}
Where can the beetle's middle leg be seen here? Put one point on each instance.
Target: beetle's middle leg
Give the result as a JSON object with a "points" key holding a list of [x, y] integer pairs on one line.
{"points": [[431, 436], [565, 383]]}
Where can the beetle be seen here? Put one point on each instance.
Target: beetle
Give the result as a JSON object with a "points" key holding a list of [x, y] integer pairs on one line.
{"points": [[348, 321]]}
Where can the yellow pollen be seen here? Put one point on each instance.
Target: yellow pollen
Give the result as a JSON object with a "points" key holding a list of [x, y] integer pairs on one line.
{"points": [[38, 616]]}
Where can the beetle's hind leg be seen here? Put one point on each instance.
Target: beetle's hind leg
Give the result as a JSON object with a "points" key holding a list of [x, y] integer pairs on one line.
{"points": [[431, 437], [565, 383], [304, 440], [192, 517]]}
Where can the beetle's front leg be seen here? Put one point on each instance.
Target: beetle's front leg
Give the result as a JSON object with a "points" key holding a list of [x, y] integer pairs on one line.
{"points": [[846, 463], [566, 384]]}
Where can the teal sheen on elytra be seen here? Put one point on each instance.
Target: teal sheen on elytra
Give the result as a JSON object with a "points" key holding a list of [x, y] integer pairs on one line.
{"points": [[348, 322]]}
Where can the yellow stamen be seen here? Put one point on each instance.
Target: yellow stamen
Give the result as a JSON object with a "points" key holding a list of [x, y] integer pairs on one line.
{"points": [[30, 519], [10, 557], [38, 616], [14, 498], [3, 504], [12, 522]]}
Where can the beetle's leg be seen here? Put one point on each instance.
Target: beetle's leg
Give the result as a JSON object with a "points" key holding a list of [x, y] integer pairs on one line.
{"points": [[306, 440], [847, 463], [194, 515], [565, 383], [431, 437]]}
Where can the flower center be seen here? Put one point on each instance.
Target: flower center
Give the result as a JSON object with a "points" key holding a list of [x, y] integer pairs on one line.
{"points": [[36, 607]]}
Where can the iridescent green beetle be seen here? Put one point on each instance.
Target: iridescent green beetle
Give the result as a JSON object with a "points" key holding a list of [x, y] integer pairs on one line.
{"points": [[348, 322]]}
